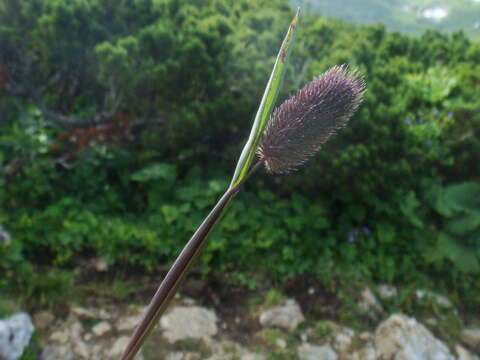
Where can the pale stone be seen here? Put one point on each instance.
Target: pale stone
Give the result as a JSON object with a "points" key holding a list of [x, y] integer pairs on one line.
{"points": [[225, 349], [60, 337], [365, 336], [304, 336], [369, 302], [403, 338], [188, 301], [464, 354], [118, 347], [251, 356], [387, 291], [315, 352], [97, 352], [83, 312], [342, 340], [287, 316], [103, 314], [195, 356], [81, 349], [57, 352], [281, 343], [368, 352], [15, 334], [129, 323], [175, 356], [471, 338], [183, 356], [189, 322], [75, 331], [100, 264], [101, 328], [439, 299], [43, 319]]}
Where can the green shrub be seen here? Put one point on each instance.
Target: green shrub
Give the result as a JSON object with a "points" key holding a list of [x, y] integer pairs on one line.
{"points": [[387, 200]]}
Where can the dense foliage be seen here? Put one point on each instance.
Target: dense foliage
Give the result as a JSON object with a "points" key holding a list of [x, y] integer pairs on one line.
{"points": [[120, 122]]}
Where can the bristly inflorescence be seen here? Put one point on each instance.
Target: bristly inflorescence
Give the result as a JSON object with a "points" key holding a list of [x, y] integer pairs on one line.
{"points": [[304, 122]]}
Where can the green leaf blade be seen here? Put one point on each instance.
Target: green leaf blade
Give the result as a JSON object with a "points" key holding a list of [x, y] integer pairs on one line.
{"points": [[266, 105]]}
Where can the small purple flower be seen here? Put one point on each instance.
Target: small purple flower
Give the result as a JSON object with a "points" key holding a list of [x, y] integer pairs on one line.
{"points": [[353, 236], [408, 121], [421, 121], [450, 114], [436, 113], [366, 230]]}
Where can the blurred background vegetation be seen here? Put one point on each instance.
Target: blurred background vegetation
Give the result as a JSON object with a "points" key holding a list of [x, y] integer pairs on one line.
{"points": [[410, 16], [121, 121]]}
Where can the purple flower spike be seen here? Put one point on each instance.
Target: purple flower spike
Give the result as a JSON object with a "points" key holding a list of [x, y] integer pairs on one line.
{"points": [[299, 126]]}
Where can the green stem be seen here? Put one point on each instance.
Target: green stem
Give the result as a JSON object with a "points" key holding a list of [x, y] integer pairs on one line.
{"points": [[179, 269]]}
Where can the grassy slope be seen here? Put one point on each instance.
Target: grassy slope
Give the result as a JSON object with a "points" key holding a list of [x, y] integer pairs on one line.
{"points": [[463, 14]]}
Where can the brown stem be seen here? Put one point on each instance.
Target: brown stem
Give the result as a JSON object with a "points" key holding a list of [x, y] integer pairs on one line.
{"points": [[179, 269]]}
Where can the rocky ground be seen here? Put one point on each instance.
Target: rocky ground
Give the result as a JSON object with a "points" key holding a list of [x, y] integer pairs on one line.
{"points": [[276, 329]]}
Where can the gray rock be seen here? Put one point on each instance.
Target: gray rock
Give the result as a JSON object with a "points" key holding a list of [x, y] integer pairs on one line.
{"points": [[15, 334], [471, 338], [229, 350], [342, 340], [83, 312], [281, 343], [369, 303], [439, 299], [368, 352], [81, 349], [315, 352], [101, 328], [464, 354], [189, 322], [117, 348], [174, 356], [251, 356], [286, 316], [59, 337], [43, 319], [57, 352], [75, 330], [183, 356], [100, 264], [365, 336], [128, 323], [403, 338], [387, 291]]}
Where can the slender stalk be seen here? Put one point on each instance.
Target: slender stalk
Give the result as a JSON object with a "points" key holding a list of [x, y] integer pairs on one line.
{"points": [[179, 269]]}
